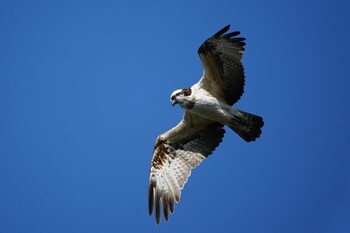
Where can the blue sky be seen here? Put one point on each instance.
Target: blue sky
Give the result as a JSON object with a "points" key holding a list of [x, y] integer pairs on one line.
{"points": [[84, 92]]}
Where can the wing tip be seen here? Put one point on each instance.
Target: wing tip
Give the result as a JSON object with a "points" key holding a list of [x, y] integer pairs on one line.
{"points": [[157, 208], [165, 206], [210, 45], [151, 195], [222, 31]]}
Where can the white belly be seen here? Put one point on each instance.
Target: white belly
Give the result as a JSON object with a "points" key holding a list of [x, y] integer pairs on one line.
{"points": [[211, 108]]}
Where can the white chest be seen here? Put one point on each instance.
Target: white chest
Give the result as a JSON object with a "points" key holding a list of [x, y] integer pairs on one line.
{"points": [[209, 107]]}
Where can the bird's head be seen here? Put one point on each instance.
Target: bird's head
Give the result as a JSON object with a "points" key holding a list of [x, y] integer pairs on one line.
{"points": [[183, 97]]}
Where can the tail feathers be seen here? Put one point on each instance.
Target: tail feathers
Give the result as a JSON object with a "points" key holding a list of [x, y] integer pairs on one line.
{"points": [[247, 126]]}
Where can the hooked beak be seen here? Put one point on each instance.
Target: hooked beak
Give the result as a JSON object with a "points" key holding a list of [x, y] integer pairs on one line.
{"points": [[173, 102]]}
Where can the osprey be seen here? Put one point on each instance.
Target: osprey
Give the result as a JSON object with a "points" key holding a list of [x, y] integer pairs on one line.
{"points": [[207, 109]]}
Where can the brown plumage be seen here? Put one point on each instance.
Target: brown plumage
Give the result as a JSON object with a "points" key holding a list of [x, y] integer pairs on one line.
{"points": [[208, 107]]}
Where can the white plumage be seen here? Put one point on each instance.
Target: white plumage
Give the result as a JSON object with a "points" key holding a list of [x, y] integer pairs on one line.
{"points": [[208, 107]]}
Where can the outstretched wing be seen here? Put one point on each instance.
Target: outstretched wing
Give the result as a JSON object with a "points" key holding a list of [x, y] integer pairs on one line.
{"points": [[221, 57], [173, 159]]}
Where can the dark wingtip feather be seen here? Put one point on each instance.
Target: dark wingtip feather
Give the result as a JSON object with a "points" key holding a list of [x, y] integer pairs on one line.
{"points": [[231, 34], [171, 205], [238, 39], [157, 210], [150, 196], [157, 200], [165, 208], [222, 31]]}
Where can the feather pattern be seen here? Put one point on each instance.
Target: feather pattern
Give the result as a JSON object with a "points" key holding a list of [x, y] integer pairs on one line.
{"points": [[173, 161], [221, 57], [208, 107]]}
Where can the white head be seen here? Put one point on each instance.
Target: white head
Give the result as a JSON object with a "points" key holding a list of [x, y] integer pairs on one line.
{"points": [[182, 97]]}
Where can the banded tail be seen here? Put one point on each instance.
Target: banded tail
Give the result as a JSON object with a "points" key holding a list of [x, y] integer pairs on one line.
{"points": [[247, 126]]}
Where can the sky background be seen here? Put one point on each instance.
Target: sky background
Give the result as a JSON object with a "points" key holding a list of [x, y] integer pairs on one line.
{"points": [[84, 92]]}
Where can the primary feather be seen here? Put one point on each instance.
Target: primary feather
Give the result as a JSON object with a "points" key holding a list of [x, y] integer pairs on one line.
{"points": [[208, 107]]}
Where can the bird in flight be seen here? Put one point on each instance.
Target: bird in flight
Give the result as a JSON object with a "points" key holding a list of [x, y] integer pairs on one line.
{"points": [[207, 109]]}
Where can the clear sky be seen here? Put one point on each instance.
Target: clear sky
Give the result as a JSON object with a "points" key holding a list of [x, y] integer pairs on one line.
{"points": [[84, 92]]}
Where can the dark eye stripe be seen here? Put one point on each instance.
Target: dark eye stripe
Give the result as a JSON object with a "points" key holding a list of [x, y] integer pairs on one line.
{"points": [[187, 91]]}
